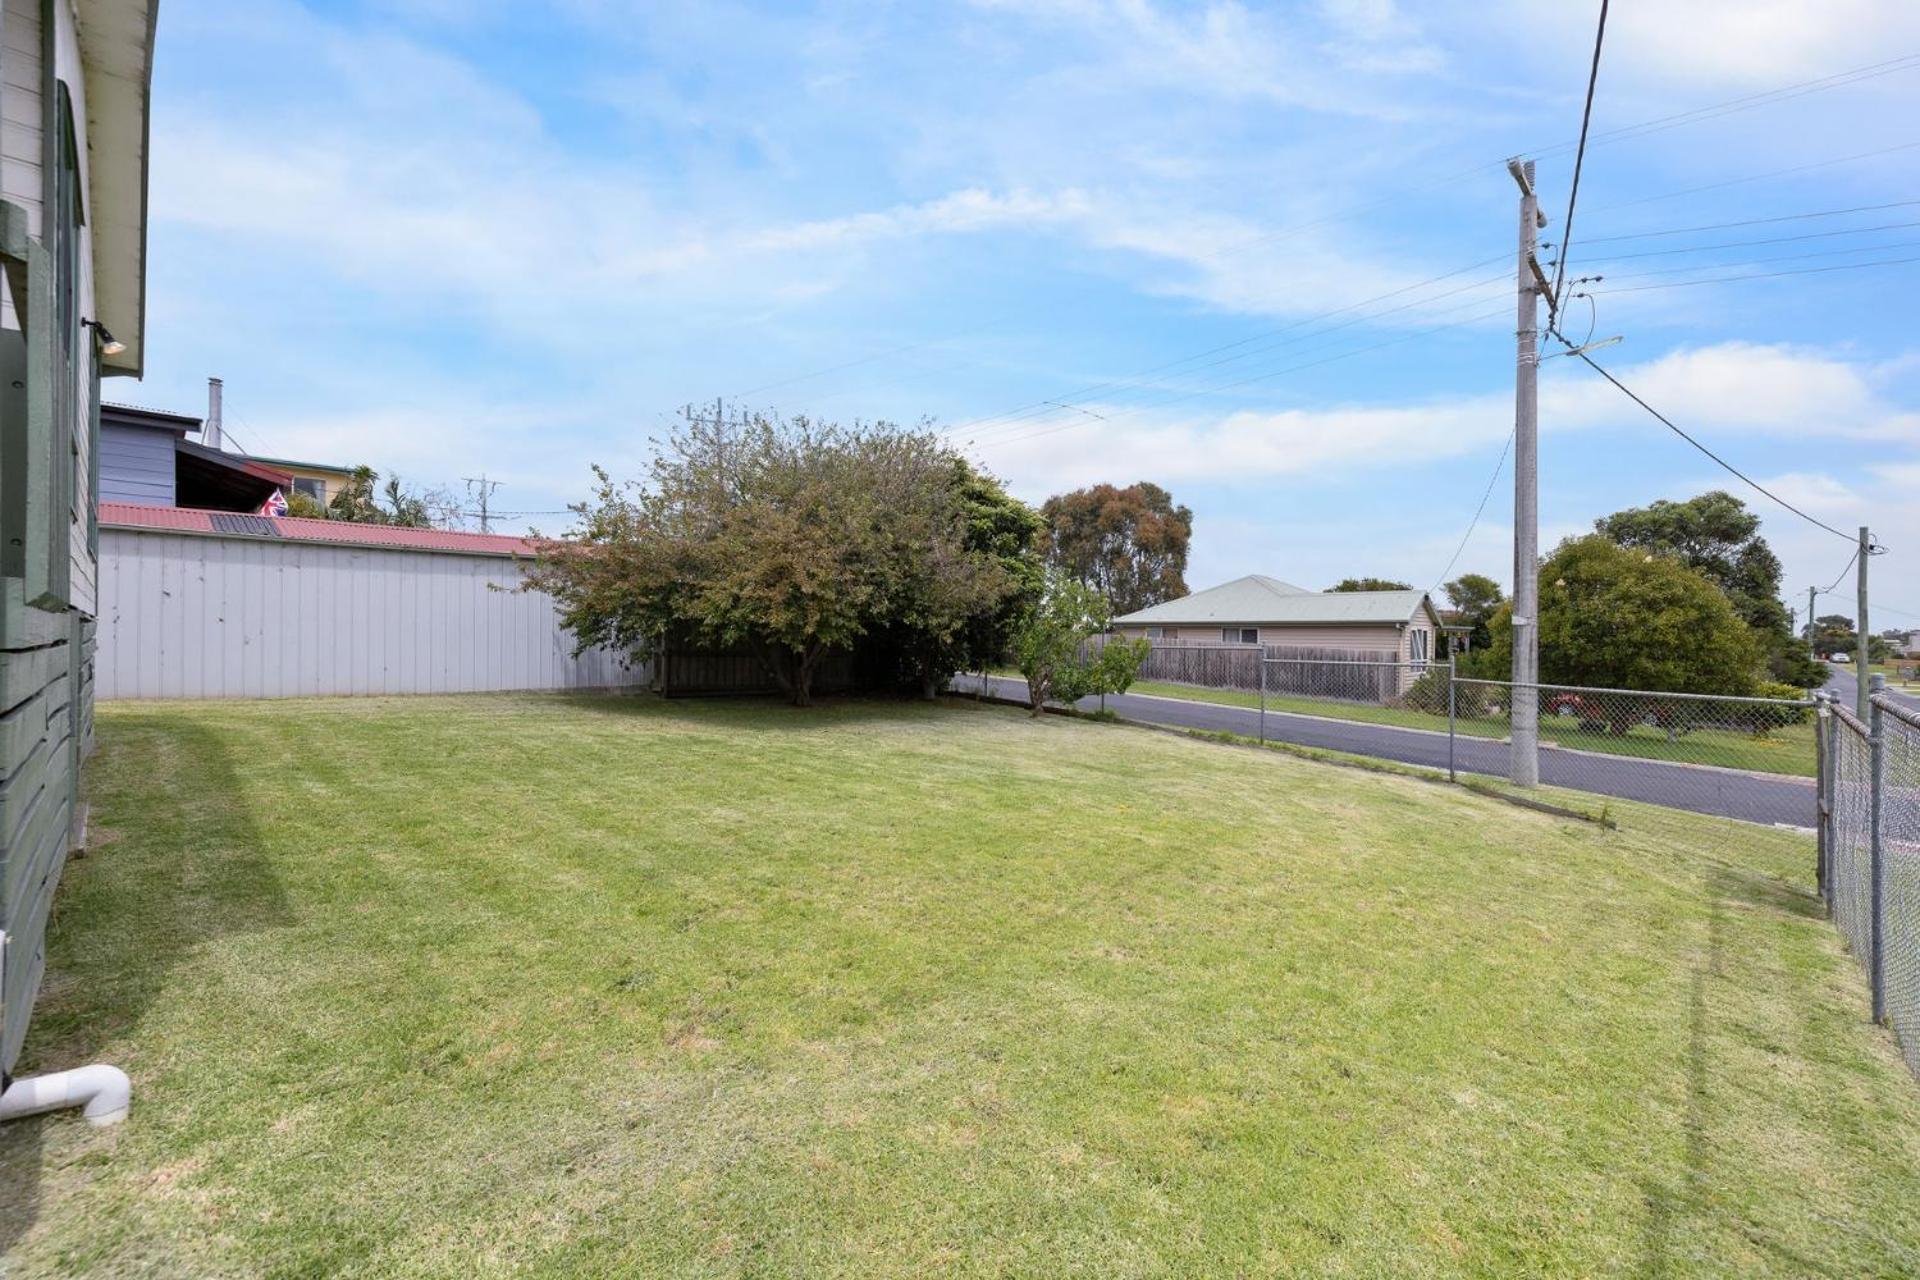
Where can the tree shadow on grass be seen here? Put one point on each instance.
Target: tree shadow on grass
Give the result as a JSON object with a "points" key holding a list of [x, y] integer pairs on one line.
{"points": [[1674, 1211], [173, 860], [762, 713]]}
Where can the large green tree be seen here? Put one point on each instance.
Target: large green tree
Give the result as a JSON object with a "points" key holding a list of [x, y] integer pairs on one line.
{"points": [[1370, 584], [1716, 534], [793, 539], [1128, 544], [1627, 619], [1475, 599]]}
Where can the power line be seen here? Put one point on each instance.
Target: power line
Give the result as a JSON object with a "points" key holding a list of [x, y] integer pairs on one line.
{"points": [[1839, 79], [1714, 111], [1753, 222], [1214, 390], [1579, 158], [1839, 577], [1748, 244], [1492, 480], [1756, 262], [1763, 275], [1675, 428], [1789, 171], [1085, 392]]}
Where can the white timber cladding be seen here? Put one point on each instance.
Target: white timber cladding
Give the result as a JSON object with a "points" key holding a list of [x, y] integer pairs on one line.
{"points": [[200, 616]]}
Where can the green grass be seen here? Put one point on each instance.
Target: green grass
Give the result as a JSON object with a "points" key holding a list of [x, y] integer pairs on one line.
{"points": [[1787, 750], [594, 986]]}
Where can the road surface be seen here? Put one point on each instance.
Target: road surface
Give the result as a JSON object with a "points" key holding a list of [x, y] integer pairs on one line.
{"points": [[1842, 685], [1728, 793]]}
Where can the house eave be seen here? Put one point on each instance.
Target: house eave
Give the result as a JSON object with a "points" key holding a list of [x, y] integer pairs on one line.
{"points": [[116, 56]]}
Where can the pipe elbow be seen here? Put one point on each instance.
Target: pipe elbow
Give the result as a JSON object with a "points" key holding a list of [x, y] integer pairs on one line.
{"points": [[103, 1094]]}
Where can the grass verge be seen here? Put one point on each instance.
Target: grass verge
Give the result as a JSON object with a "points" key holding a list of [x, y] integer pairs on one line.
{"points": [[611, 986]]}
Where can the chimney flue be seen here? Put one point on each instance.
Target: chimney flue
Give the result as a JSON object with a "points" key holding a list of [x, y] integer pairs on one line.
{"points": [[212, 436]]}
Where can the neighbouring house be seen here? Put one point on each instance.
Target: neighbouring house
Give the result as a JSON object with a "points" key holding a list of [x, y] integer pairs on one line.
{"points": [[1266, 611], [146, 458], [319, 481], [74, 85]]}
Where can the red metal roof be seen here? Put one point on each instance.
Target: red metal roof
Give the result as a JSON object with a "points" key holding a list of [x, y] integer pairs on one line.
{"points": [[129, 515]]}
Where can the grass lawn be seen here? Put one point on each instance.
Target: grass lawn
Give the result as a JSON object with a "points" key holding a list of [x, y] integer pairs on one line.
{"points": [[1787, 750], [609, 986]]}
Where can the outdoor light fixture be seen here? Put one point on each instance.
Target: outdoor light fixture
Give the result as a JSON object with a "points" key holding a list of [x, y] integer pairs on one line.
{"points": [[109, 345]]}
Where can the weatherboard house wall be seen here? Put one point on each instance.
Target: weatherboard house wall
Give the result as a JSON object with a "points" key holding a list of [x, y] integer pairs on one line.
{"points": [[74, 80]]}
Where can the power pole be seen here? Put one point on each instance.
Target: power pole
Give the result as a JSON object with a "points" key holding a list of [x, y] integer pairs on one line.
{"points": [[1863, 638], [485, 488], [1524, 760], [1811, 591]]}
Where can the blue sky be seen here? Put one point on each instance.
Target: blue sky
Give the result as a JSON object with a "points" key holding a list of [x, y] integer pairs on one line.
{"points": [[447, 236]]}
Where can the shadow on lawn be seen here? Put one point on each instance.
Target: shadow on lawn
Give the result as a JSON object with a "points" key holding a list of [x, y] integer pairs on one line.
{"points": [[760, 712], [1673, 1212], [170, 865]]}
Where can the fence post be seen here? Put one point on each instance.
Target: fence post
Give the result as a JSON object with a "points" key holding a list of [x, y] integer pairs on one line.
{"points": [[1876, 741], [1822, 799], [1263, 693], [1453, 663]]}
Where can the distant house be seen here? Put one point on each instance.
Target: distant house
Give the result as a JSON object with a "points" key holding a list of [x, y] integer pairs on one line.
{"points": [[1260, 610], [147, 458]]}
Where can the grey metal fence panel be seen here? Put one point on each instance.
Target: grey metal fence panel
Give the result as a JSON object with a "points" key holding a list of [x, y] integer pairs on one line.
{"points": [[193, 616], [1850, 875], [1900, 856]]}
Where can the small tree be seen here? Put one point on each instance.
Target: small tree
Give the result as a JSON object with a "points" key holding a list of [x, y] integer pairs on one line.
{"points": [[1475, 598], [1050, 637], [1118, 666], [1370, 584]]}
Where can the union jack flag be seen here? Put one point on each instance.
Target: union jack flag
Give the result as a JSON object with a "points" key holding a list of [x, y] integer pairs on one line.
{"points": [[275, 505]]}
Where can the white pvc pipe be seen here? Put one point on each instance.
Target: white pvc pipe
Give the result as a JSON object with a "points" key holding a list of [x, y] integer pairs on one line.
{"points": [[104, 1092]]}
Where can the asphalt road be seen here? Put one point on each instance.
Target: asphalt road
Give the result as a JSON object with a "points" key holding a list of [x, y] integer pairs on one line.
{"points": [[1842, 683], [1725, 793]]}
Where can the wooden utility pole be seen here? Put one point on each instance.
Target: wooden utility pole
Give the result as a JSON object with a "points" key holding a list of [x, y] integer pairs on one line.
{"points": [[1863, 638], [1524, 758], [1811, 592]]}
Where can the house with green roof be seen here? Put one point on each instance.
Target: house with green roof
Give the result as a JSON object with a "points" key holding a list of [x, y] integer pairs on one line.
{"points": [[1400, 626]]}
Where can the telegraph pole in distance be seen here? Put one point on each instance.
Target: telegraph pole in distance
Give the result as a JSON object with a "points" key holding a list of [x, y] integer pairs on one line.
{"points": [[1524, 716], [1810, 594], [485, 488], [1863, 638]]}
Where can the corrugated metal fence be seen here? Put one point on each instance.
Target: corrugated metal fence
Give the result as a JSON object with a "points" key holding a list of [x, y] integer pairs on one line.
{"points": [[213, 616]]}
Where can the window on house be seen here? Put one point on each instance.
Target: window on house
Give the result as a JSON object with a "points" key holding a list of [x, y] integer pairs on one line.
{"points": [[1156, 633], [1240, 635], [309, 487], [1417, 647]]}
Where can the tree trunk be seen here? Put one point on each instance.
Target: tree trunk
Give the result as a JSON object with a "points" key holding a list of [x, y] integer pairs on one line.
{"points": [[804, 660], [1036, 693]]}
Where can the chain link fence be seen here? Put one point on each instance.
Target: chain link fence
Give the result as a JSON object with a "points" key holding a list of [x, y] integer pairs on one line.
{"points": [[1870, 852]]}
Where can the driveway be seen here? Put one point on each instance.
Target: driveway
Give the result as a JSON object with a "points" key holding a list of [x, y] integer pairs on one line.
{"points": [[1727, 793]]}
